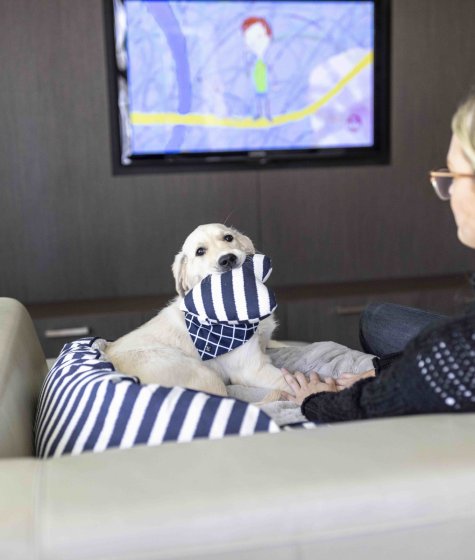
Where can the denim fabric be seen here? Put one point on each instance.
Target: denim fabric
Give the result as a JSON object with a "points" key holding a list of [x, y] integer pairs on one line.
{"points": [[386, 328]]}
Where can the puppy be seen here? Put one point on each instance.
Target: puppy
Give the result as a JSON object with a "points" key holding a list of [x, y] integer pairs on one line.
{"points": [[161, 351]]}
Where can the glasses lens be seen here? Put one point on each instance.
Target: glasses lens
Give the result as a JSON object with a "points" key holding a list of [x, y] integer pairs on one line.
{"points": [[442, 185]]}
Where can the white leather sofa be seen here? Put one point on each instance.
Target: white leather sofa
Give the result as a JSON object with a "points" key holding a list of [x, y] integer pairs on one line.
{"points": [[394, 489]]}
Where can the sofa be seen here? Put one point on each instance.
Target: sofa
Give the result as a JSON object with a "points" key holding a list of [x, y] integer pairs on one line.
{"points": [[394, 488]]}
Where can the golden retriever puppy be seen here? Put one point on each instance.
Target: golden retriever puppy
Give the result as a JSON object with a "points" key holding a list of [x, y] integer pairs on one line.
{"points": [[161, 351]]}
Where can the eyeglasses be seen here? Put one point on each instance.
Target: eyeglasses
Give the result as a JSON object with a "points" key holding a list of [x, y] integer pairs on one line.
{"points": [[442, 180]]}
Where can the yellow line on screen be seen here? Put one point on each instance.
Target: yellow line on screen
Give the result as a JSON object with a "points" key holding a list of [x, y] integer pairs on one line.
{"points": [[191, 119]]}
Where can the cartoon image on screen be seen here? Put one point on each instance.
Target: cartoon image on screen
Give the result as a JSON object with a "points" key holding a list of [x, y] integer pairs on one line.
{"points": [[240, 76], [257, 36]]}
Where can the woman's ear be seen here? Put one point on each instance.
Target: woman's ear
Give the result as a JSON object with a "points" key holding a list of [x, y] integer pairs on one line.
{"points": [[179, 273]]}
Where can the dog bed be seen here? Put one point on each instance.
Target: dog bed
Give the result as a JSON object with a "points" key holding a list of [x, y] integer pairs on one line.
{"points": [[86, 405]]}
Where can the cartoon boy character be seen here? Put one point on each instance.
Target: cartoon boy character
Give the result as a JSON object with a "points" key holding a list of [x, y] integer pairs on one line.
{"points": [[257, 36]]}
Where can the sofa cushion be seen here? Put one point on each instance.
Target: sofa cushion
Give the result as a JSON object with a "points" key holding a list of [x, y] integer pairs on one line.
{"points": [[86, 405]]}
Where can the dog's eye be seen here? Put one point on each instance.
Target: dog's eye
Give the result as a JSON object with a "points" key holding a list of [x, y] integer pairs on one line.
{"points": [[228, 238], [200, 251]]}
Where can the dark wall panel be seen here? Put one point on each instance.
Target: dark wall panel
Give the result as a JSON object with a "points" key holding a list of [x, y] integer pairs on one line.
{"points": [[70, 230]]}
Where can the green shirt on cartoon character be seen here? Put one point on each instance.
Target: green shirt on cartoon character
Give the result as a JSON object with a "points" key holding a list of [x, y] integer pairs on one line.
{"points": [[257, 36]]}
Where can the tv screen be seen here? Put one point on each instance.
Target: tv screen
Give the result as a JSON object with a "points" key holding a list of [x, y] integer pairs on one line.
{"points": [[217, 83]]}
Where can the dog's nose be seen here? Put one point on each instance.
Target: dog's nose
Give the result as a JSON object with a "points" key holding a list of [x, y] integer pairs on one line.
{"points": [[227, 261]]}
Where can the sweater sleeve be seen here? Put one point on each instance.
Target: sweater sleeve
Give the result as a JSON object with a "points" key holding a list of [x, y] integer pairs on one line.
{"points": [[335, 407], [369, 398], [436, 373]]}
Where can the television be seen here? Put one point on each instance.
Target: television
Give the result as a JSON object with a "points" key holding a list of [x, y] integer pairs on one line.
{"points": [[210, 84]]}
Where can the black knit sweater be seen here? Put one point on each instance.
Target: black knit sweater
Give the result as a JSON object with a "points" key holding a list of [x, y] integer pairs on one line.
{"points": [[435, 373]]}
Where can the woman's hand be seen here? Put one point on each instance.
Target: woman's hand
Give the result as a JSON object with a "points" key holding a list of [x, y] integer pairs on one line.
{"points": [[303, 388], [347, 379]]}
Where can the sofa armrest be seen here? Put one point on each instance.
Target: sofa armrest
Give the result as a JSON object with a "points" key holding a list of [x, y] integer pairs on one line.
{"points": [[398, 487], [22, 370]]}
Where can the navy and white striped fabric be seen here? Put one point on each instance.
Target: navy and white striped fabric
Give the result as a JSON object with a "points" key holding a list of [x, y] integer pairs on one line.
{"points": [[85, 405], [223, 311]]}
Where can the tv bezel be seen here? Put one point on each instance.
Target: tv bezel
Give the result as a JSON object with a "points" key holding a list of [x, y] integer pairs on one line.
{"points": [[378, 154]]}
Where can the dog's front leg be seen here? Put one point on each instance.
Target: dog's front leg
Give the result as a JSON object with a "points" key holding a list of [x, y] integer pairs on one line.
{"points": [[273, 396], [270, 377]]}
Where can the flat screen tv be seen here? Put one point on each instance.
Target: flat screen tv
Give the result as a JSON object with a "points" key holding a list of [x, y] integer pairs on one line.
{"points": [[200, 84]]}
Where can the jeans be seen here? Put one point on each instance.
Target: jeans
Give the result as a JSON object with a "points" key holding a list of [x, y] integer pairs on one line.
{"points": [[386, 328]]}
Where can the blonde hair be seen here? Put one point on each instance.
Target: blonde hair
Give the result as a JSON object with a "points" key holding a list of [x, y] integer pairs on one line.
{"points": [[463, 126]]}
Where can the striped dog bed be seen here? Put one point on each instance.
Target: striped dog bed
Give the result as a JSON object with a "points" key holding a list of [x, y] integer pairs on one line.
{"points": [[85, 405]]}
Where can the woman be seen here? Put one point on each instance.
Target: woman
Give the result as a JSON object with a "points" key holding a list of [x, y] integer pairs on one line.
{"points": [[436, 371]]}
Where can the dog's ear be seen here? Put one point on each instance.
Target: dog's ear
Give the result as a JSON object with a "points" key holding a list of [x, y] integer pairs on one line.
{"points": [[179, 273], [244, 240]]}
